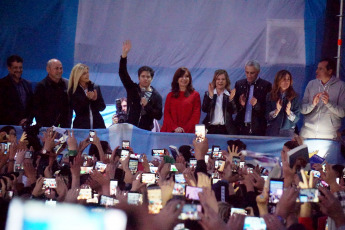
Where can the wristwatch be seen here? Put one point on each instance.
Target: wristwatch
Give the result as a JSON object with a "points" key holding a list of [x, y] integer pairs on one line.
{"points": [[44, 151]]}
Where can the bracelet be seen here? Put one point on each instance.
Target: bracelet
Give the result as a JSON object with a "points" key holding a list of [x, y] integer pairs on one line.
{"points": [[72, 153]]}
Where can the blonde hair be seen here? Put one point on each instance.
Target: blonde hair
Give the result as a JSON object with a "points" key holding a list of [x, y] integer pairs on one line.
{"points": [[77, 71]]}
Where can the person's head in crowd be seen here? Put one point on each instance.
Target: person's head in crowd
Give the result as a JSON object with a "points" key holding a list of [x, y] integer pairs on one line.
{"points": [[283, 84], [224, 210], [93, 151], [182, 81], [124, 104], [338, 169], [15, 67], [79, 76], [145, 76], [237, 143], [54, 69], [221, 80], [252, 70], [186, 152], [325, 69], [9, 130]]}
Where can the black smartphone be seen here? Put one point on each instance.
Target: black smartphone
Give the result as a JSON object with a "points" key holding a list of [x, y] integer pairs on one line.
{"points": [[49, 183], [276, 190], [192, 162], [28, 154], [179, 178], [125, 144], [158, 152], [91, 135], [179, 189], [236, 160], [218, 163], [133, 165]]}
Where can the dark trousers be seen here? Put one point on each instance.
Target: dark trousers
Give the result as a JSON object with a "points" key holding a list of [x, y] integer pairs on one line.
{"points": [[217, 129]]}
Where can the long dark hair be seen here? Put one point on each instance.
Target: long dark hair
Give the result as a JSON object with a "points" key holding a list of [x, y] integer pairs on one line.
{"points": [[174, 84], [275, 93]]}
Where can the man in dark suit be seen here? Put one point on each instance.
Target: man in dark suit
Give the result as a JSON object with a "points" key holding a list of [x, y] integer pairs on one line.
{"points": [[15, 95], [250, 101], [51, 105]]}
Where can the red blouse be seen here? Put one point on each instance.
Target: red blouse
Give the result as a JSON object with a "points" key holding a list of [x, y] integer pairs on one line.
{"points": [[181, 112]]}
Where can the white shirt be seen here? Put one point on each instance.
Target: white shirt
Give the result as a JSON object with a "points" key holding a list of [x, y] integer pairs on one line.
{"points": [[218, 117]]}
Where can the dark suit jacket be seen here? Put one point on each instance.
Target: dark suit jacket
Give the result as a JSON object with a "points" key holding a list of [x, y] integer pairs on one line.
{"points": [[229, 108], [82, 105], [51, 103], [261, 88], [12, 111]]}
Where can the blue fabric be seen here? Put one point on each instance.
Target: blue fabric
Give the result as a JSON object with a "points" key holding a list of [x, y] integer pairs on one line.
{"points": [[143, 141]]}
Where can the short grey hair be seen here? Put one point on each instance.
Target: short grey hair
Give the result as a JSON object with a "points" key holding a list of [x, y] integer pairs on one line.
{"points": [[253, 63]]}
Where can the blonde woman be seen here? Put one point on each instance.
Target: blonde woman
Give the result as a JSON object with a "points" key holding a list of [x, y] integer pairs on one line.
{"points": [[85, 99]]}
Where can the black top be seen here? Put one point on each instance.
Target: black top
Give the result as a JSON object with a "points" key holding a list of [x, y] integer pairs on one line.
{"points": [[142, 118], [11, 106], [51, 103], [82, 106], [229, 108]]}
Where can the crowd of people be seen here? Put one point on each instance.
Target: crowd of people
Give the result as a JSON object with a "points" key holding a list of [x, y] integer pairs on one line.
{"points": [[199, 188], [252, 107]]}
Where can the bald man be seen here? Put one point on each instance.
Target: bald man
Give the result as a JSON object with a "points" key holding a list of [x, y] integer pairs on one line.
{"points": [[50, 98]]}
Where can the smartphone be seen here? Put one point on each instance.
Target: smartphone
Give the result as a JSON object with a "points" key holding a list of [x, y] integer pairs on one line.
{"points": [[28, 154], [179, 189], [173, 168], [308, 195], [113, 186], [174, 151], [93, 200], [179, 178], [4, 147], [49, 183], [216, 154], [276, 190], [154, 196], [134, 198], [135, 156], [218, 163], [18, 167], [192, 162], [125, 144], [108, 201], [58, 158], [85, 170], [124, 154], [236, 160], [158, 152], [252, 222], [200, 132], [148, 178], [215, 180], [242, 163], [153, 169], [100, 167], [215, 148], [192, 193], [316, 174], [84, 194], [206, 158], [249, 170], [190, 212], [238, 211], [91, 135], [133, 165]]}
